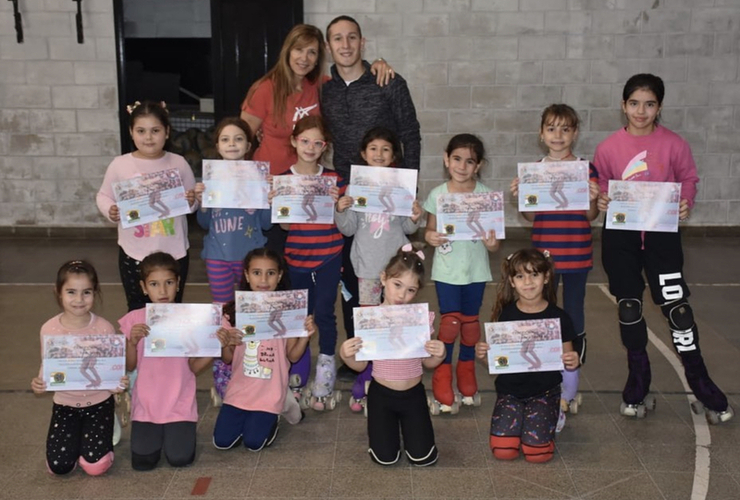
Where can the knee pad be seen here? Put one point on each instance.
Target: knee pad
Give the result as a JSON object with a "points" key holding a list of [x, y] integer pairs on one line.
{"points": [[538, 454], [469, 330], [449, 328], [97, 468], [680, 315], [505, 447], [630, 311], [429, 459], [684, 333], [389, 461]]}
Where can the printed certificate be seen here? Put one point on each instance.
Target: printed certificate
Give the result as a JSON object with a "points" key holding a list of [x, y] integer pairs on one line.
{"points": [[236, 184], [150, 197], [182, 330], [303, 198], [524, 346], [272, 315], [553, 186], [470, 216], [383, 189], [392, 332], [83, 362], [643, 206]]}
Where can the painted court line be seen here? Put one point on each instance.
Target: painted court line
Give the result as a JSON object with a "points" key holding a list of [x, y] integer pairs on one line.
{"points": [[701, 427]]}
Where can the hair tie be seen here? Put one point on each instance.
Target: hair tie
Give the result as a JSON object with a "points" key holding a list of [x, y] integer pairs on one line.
{"points": [[409, 248], [74, 262], [164, 106], [546, 253], [508, 257], [131, 107]]}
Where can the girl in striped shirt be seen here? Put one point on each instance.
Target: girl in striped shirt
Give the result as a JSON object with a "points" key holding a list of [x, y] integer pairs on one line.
{"points": [[566, 235], [396, 396]]}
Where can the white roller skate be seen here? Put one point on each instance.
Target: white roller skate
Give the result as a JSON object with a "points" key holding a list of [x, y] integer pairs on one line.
{"points": [[123, 408], [638, 410], [467, 384], [300, 393], [713, 417], [216, 398], [322, 394], [435, 407], [573, 405]]}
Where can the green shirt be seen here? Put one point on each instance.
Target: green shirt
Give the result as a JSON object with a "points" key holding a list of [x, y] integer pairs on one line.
{"points": [[459, 262]]}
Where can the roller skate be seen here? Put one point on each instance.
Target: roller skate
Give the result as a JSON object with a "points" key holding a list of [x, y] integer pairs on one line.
{"points": [[444, 400], [707, 393], [635, 398], [221, 377], [571, 406], [299, 377], [467, 384], [713, 417], [123, 408], [292, 411], [323, 395], [358, 400]]}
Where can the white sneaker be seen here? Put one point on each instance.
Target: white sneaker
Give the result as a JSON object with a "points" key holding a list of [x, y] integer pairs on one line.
{"points": [[561, 421]]}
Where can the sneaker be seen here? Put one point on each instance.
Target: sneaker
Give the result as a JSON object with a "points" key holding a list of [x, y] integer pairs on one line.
{"points": [[561, 421]]}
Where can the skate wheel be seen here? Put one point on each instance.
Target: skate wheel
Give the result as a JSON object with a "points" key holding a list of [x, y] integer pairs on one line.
{"points": [[476, 399], [650, 402], [434, 406], [355, 405], [573, 407], [455, 408], [712, 417], [641, 411], [338, 396], [294, 380], [304, 402], [564, 405], [332, 403], [697, 407], [579, 398]]}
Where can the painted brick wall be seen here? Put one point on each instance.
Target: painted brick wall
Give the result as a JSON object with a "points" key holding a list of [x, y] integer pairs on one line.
{"points": [[58, 113], [482, 66]]}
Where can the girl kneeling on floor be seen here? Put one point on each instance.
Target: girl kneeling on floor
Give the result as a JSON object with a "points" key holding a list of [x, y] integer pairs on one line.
{"points": [[396, 395], [528, 404]]}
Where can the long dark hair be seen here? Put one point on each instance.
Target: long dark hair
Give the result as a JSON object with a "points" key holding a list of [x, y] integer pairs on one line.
{"points": [[528, 260]]}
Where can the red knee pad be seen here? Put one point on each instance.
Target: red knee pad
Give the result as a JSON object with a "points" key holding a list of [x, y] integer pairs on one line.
{"points": [[538, 454], [99, 467], [449, 328], [470, 330], [505, 447]]}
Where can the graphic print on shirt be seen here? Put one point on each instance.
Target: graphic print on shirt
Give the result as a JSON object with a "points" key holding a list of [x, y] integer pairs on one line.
{"points": [[376, 223], [164, 227], [301, 112], [255, 363], [637, 167]]}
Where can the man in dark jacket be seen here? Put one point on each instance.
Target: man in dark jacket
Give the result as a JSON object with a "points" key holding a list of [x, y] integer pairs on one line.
{"points": [[352, 103]]}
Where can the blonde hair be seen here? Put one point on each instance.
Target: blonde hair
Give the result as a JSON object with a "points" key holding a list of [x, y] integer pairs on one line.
{"points": [[282, 76]]}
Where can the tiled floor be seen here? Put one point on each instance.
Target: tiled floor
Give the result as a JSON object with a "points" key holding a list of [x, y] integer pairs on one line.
{"points": [[600, 455]]}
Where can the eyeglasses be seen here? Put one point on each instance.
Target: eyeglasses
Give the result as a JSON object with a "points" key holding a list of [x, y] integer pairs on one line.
{"points": [[306, 142]]}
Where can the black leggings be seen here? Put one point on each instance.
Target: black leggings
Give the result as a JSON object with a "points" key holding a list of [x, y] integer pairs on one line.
{"points": [[128, 267], [148, 439], [388, 409], [75, 432]]}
